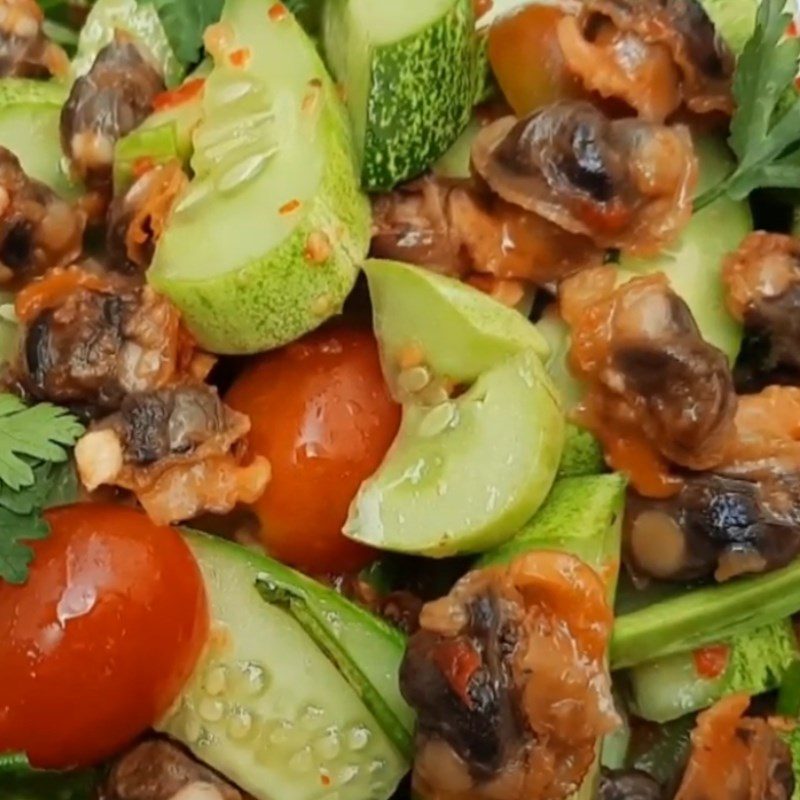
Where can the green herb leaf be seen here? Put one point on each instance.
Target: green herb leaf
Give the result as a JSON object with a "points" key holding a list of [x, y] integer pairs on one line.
{"points": [[41, 432], [15, 556], [20, 781], [185, 22], [53, 485], [764, 132]]}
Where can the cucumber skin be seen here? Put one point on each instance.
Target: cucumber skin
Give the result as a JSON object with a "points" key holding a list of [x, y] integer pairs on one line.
{"points": [[581, 516], [402, 139], [583, 454], [227, 315], [255, 758], [669, 688]]}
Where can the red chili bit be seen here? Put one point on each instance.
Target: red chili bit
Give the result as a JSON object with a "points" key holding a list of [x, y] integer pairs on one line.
{"points": [[711, 662], [459, 661], [142, 165], [241, 57], [325, 780], [183, 94], [289, 208], [277, 12], [792, 31]]}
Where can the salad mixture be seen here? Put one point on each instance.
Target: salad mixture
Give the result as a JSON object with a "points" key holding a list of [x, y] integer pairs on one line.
{"points": [[399, 400]]}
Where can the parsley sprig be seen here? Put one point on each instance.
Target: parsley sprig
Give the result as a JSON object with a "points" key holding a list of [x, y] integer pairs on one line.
{"points": [[34, 474], [765, 130]]}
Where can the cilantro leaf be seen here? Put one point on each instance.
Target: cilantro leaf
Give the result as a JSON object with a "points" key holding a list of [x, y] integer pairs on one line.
{"points": [[185, 22], [53, 485], [42, 432], [15, 556], [20, 781], [765, 133]]}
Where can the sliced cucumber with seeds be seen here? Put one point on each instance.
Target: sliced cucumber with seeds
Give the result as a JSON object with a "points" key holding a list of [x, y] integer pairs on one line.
{"points": [[409, 72], [139, 20], [468, 468], [30, 113], [268, 707], [266, 242], [166, 134]]}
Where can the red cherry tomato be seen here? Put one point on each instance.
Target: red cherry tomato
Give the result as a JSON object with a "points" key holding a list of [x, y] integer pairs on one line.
{"points": [[96, 646], [527, 60], [321, 413]]}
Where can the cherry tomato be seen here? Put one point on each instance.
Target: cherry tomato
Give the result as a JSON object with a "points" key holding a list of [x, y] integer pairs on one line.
{"points": [[98, 643], [527, 60], [321, 413]]}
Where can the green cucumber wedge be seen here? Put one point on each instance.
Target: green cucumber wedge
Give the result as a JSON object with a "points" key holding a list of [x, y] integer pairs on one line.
{"points": [[165, 135], [582, 516], [465, 475], [139, 20], [270, 708], [409, 73], [705, 616], [266, 243], [668, 688], [8, 328], [30, 113], [467, 469]]}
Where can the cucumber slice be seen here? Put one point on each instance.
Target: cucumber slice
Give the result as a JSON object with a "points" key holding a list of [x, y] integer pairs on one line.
{"points": [[464, 472], [266, 242], [582, 516], [705, 616], [409, 72], [267, 707], [30, 113], [464, 475], [462, 332], [165, 135], [668, 688], [141, 21]]}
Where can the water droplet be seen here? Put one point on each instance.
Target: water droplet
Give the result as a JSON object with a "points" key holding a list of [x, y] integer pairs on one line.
{"points": [[216, 680], [281, 734], [437, 420], [358, 738], [240, 725], [328, 746], [301, 761], [348, 773], [311, 718], [76, 600], [211, 710], [255, 678]]}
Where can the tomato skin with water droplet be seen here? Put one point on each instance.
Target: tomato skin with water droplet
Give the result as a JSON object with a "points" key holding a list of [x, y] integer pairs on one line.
{"points": [[98, 643], [322, 414]]}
